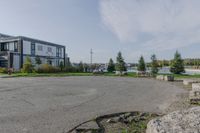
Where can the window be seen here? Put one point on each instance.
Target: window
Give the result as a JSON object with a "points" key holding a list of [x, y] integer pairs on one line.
{"points": [[32, 48], [16, 46], [59, 52], [5, 47], [49, 49], [40, 48]]}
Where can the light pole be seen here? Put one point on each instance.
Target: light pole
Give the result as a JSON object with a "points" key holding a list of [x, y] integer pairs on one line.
{"points": [[91, 57]]}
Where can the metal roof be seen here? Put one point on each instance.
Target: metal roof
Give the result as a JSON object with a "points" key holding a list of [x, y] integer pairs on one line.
{"points": [[7, 38], [4, 36]]}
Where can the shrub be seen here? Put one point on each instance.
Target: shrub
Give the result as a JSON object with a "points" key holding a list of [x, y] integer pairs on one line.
{"points": [[71, 69], [61, 65], [38, 60], [3, 70], [80, 67], [27, 66], [46, 68]]}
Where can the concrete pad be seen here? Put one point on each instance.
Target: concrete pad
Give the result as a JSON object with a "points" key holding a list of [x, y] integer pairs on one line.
{"points": [[190, 81]]}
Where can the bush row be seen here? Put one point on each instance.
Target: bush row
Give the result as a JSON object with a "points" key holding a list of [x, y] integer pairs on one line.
{"points": [[46, 68], [3, 70]]}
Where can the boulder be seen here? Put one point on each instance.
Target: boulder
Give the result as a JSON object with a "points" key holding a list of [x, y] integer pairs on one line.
{"points": [[185, 121], [194, 94], [190, 81], [169, 78], [160, 77], [194, 97], [195, 87]]}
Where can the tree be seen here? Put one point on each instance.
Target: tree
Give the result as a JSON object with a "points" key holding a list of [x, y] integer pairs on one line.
{"points": [[38, 60], [61, 65], [177, 64], [141, 64], [111, 66], [27, 66], [120, 64], [81, 67], [154, 64], [86, 67]]}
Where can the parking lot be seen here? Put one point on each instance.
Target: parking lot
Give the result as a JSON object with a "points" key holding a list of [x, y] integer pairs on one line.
{"points": [[54, 105]]}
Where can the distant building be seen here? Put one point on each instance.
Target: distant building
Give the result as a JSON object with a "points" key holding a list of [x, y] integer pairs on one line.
{"points": [[15, 49], [67, 60]]}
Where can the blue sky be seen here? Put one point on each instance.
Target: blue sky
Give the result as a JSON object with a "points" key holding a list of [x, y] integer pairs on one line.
{"points": [[134, 27]]}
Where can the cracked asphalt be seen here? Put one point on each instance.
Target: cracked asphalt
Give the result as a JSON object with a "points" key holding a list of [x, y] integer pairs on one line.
{"points": [[55, 105]]}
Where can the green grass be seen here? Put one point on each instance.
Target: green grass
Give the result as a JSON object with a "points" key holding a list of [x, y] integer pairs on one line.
{"points": [[63, 74], [128, 75], [49, 74]]}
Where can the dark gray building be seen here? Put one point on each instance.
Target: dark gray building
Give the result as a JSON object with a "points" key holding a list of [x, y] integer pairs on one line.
{"points": [[15, 49]]}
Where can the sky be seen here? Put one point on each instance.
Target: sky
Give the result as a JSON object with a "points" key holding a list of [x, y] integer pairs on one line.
{"points": [[134, 27]]}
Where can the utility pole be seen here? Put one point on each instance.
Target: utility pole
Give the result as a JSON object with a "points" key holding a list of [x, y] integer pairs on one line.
{"points": [[91, 57]]}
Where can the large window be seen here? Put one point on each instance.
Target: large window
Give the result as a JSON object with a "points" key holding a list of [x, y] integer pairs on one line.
{"points": [[58, 52], [49, 49], [32, 48], [40, 48], [16, 46], [5, 47]]}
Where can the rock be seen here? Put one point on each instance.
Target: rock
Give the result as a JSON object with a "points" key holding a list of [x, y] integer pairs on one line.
{"points": [[169, 78], [112, 120], [130, 119], [160, 77], [126, 115], [190, 81], [194, 94], [185, 121], [195, 87], [194, 97], [87, 127]]}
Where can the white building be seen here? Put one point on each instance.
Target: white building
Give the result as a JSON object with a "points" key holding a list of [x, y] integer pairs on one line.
{"points": [[14, 50]]}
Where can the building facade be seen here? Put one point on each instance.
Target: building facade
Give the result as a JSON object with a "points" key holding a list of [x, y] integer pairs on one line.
{"points": [[14, 50]]}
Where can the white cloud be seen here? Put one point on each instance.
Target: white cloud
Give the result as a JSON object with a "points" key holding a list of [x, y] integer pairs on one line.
{"points": [[154, 24]]}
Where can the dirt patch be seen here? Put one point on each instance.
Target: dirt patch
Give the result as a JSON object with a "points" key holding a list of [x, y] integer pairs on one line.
{"points": [[182, 101], [128, 122]]}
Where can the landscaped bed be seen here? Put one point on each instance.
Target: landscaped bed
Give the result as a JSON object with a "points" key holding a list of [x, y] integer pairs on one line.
{"points": [[129, 122]]}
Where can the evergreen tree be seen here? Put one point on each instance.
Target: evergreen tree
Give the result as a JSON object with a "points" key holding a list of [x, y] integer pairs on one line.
{"points": [[120, 64], [154, 64], [177, 64], [111, 66], [38, 60], [141, 64]]}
